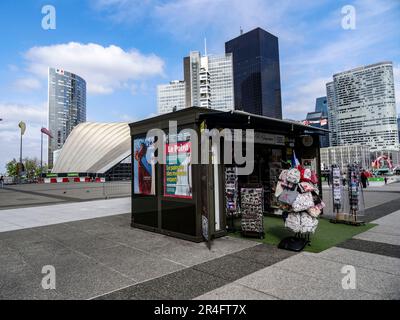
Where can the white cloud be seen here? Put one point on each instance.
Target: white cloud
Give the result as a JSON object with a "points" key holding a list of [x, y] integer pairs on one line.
{"points": [[313, 45], [105, 69], [302, 99], [27, 84], [34, 116]]}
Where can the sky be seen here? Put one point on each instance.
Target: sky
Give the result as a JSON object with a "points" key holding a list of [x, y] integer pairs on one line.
{"points": [[124, 48]]}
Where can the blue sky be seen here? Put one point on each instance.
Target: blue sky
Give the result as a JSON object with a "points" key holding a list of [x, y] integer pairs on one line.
{"points": [[124, 48]]}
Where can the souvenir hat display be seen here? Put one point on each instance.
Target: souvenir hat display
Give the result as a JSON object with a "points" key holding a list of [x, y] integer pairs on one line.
{"points": [[298, 194]]}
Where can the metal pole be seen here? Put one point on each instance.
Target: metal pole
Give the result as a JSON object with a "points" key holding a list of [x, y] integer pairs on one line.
{"points": [[20, 159], [41, 154]]}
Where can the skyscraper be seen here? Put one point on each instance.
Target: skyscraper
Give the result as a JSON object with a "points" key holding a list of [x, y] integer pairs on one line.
{"points": [[319, 119], [362, 109], [67, 106], [220, 68], [208, 83], [321, 105], [257, 84], [171, 96]]}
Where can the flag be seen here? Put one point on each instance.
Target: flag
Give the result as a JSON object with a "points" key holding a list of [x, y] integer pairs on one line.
{"points": [[22, 125], [46, 132], [295, 161], [324, 122]]}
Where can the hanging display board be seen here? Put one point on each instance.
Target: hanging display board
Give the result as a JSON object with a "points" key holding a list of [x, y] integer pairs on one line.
{"points": [[143, 166], [252, 211], [177, 175], [347, 195]]}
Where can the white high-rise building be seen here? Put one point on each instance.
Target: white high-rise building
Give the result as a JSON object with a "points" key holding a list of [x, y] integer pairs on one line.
{"points": [[67, 106], [171, 97], [220, 68], [208, 83], [362, 107]]}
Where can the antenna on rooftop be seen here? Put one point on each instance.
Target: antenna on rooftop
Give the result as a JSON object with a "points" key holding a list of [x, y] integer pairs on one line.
{"points": [[205, 47], [241, 30]]}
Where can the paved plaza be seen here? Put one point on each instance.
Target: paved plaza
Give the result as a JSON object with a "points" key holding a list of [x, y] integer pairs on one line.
{"points": [[97, 255]]}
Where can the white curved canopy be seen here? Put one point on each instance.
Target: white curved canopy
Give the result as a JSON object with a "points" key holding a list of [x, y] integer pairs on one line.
{"points": [[94, 148]]}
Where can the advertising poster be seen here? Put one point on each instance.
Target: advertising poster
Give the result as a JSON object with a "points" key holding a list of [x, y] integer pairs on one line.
{"points": [[143, 166], [178, 175]]}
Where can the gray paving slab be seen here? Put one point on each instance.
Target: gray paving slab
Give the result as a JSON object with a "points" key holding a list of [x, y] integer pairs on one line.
{"points": [[392, 219], [135, 264], [377, 283], [362, 259], [24, 284], [229, 267], [387, 229], [264, 254], [379, 237], [380, 248], [79, 277], [235, 291], [295, 286], [185, 284]]}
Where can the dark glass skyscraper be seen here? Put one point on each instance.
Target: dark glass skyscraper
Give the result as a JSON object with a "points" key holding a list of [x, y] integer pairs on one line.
{"points": [[256, 73], [321, 105], [67, 106]]}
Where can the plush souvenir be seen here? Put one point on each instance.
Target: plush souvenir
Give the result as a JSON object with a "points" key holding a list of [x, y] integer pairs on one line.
{"points": [[293, 176], [308, 223], [314, 178], [306, 175], [314, 212], [306, 187], [283, 175], [293, 222], [303, 202], [320, 205], [288, 196], [278, 189]]}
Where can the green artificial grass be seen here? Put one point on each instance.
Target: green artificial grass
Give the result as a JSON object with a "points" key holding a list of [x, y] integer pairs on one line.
{"points": [[327, 234]]}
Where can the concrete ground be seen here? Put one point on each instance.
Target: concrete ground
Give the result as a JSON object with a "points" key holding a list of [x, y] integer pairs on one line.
{"points": [[16, 196], [97, 255]]}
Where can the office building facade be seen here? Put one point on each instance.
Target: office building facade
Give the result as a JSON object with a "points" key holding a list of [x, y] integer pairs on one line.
{"points": [[171, 96], [220, 68], [208, 83], [345, 155], [362, 109], [67, 106], [321, 105], [256, 69]]}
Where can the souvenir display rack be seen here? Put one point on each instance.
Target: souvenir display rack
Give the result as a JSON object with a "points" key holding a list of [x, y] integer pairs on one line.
{"points": [[251, 205], [298, 194], [353, 206], [232, 208]]}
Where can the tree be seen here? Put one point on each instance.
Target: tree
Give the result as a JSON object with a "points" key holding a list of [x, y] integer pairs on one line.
{"points": [[11, 167], [32, 168]]}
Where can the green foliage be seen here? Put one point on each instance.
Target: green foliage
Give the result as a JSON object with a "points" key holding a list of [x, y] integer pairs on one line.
{"points": [[11, 167], [32, 168]]}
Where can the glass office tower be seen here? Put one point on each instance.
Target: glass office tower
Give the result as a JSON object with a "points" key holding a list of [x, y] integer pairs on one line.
{"points": [[256, 72], [321, 105], [67, 106]]}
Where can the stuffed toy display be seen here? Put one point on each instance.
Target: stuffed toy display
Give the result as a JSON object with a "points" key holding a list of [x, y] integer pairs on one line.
{"points": [[298, 195]]}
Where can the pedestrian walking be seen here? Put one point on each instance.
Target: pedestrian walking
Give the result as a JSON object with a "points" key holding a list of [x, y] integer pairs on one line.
{"points": [[385, 180], [2, 182]]}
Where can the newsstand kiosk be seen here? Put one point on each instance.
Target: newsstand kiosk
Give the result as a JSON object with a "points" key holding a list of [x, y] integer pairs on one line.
{"points": [[187, 199]]}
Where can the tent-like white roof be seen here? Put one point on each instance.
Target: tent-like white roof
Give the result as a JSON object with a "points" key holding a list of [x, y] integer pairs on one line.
{"points": [[94, 148]]}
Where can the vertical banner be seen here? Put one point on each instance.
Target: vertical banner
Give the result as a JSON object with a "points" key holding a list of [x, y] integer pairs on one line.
{"points": [[178, 171], [143, 166]]}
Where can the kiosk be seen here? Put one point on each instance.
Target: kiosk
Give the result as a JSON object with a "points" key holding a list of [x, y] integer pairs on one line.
{"points": [[192, 201]]}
